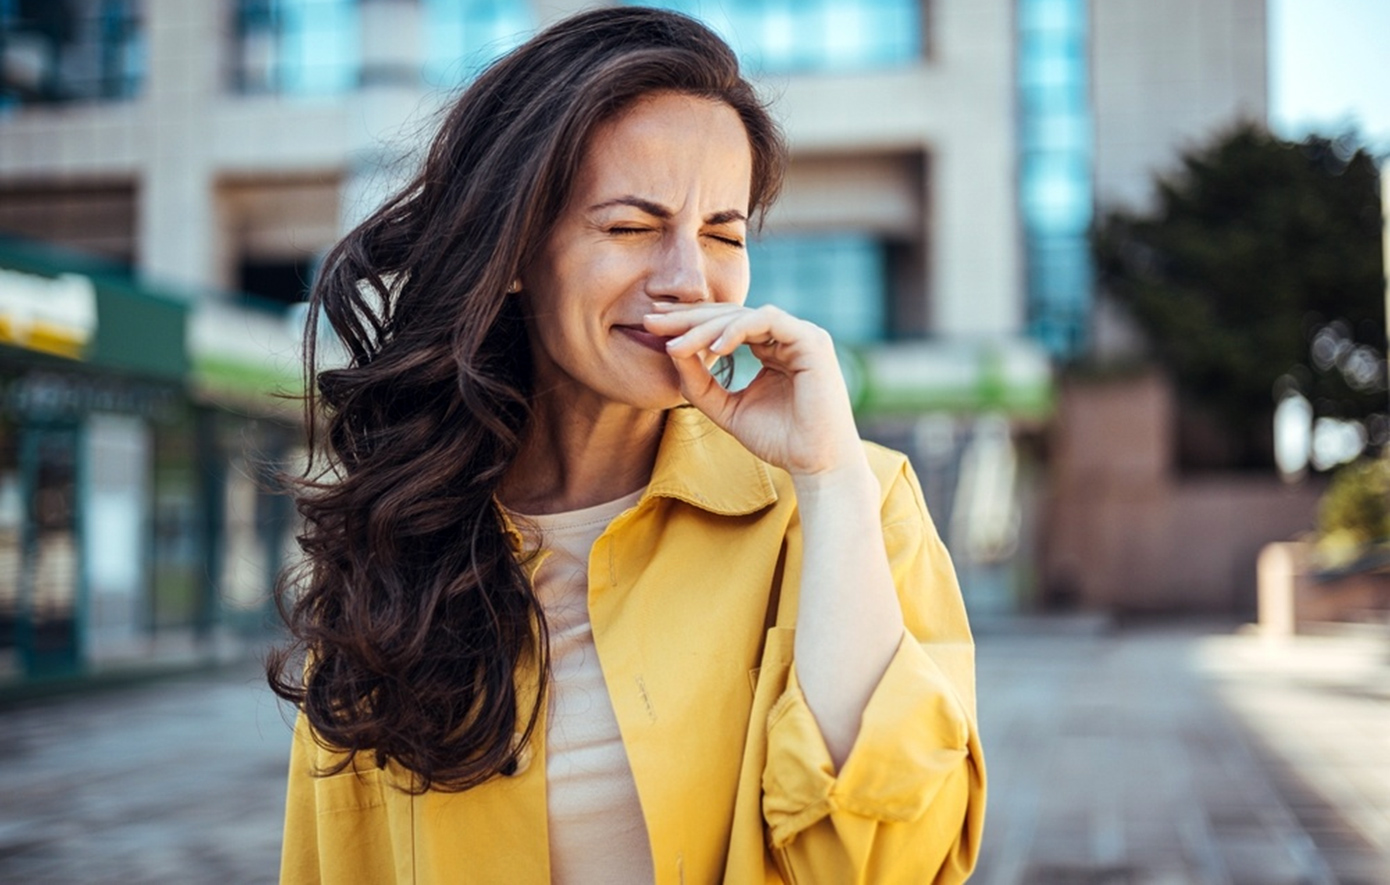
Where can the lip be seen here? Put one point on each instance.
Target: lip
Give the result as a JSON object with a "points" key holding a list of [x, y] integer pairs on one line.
{"points": [[643, 337]]}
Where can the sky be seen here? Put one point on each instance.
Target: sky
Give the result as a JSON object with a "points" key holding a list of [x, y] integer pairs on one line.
{"points": [[1329, 66]]}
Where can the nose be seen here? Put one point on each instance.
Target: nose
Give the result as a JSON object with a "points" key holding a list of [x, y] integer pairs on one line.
{"points": [[679, 272]]}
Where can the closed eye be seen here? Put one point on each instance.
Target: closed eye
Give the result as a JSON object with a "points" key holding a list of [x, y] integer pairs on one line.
{"points": [[730, 241]]}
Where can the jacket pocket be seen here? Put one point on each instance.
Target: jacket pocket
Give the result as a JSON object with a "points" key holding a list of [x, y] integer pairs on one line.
{"points": [[354, 830], [349, 791]]}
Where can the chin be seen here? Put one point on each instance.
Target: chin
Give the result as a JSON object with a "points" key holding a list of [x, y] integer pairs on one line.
{"points": [[652, 400], [653, 392]]}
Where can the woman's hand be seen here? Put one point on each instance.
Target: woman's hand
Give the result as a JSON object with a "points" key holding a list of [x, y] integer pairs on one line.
{"points": [[796, 413]]}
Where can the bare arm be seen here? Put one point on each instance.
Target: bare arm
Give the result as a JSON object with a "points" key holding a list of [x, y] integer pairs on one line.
{"points": [[849, 622]]}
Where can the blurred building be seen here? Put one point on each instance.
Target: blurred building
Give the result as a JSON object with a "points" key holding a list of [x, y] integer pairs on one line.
{"points": [[134, 522], [948, 156]]}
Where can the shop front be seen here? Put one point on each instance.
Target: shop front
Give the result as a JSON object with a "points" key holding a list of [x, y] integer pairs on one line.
{"points": [[138, 521]]}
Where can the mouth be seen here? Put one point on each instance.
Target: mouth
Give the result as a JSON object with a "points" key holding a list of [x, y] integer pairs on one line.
{"points": [[641, 336]]}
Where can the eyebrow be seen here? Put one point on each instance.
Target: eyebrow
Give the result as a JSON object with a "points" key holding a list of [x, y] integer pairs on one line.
{"points": [[659, 211]]}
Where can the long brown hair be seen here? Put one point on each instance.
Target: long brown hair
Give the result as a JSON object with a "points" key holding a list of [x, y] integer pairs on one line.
{"points": [[411, 612]]}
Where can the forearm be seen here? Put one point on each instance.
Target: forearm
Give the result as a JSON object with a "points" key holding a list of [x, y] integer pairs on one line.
{"points": [[849, 622]]}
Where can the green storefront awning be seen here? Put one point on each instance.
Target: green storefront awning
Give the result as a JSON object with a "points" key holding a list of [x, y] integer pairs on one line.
{"points": [[89, 310], [1007, 376]]}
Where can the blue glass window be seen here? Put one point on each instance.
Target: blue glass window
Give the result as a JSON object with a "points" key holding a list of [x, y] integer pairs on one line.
{"points": [[838, 281], [84, 50], [1055, 68], [1063, 19], [463, 36], [1065, 134], [1055, 188], [297, 47], [807, 35], [1056, 193], [1061, 271]]}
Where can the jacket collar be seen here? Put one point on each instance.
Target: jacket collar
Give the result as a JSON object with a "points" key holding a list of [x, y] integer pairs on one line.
{"points": [[700, 464]]}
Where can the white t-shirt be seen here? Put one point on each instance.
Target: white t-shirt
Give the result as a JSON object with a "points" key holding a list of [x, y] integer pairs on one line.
{"points": [[597, 833]]}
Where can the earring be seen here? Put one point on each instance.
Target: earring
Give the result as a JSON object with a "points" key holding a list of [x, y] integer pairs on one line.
{"points": [[515, 287]]}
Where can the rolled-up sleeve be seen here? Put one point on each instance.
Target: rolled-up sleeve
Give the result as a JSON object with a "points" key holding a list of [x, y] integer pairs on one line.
{"points": [[908, 803]]}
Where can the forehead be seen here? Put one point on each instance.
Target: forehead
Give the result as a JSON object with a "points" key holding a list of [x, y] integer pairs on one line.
{"points": [[668, 146]]}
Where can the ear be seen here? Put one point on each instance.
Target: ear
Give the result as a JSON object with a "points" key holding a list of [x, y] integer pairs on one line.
{"points": [[515, 286]]}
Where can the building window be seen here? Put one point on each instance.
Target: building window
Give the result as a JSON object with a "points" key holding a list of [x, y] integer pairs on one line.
{"points": [[82, 50], [464, 36], [275, 283], [778, 36], [1055, 188], [297, 47], [837, 281]]}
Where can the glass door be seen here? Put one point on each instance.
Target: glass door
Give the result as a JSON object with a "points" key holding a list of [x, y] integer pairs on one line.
{"points": [[11, 523], [50, 580]]}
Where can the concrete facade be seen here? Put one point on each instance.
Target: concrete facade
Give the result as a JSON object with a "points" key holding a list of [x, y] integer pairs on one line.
{"points": [[956, 113], [922, 154], [1166, 76], [1124, 532], [925, 154]]}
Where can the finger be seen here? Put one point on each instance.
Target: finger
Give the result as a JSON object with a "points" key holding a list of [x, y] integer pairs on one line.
{"points": [[701, 389], [762, 329], [700, 337], [675, 308], [675, 323]]}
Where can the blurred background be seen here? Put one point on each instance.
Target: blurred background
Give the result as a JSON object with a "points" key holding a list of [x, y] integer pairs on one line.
{"points": [[1111, 272]]}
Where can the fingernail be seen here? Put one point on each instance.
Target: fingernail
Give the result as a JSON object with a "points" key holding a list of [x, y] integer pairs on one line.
{"points": [[718, 343], [676, 342]]}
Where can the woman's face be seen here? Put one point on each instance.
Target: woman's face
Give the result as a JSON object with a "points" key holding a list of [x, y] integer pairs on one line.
{"points": [[658, 213]]}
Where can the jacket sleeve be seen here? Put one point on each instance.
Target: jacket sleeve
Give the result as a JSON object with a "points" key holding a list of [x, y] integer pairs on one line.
{"points": [[299, 852], [335, 827], [908, 804]]}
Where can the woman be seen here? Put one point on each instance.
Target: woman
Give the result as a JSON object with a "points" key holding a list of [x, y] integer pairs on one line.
{"points": [[556, 574]]}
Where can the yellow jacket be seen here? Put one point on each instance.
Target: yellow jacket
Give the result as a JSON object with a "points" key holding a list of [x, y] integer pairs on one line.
{"points": [[735, 782]]}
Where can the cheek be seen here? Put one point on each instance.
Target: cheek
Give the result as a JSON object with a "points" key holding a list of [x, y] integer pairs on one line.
{"points": [[610, 272], [734, 283], [577, 294]]}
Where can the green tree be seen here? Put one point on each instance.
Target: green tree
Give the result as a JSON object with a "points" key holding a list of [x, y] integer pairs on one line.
{"points": [[1260, 260], [1355, 511]]}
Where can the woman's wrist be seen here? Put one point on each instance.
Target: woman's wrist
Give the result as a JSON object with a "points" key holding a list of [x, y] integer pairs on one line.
{"points": [[849, 478]]}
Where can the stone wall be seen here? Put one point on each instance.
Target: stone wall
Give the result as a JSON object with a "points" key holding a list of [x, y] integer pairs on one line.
{"points": [[1124, 532]]}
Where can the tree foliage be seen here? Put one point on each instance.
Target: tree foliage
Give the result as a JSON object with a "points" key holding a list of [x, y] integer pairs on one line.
{"points": [[1355, 511], [1257, 253]]}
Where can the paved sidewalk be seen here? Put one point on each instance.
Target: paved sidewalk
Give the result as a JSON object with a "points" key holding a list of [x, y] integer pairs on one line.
{"points": [[1184, 755], [178, 781], [1320, 708]]}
